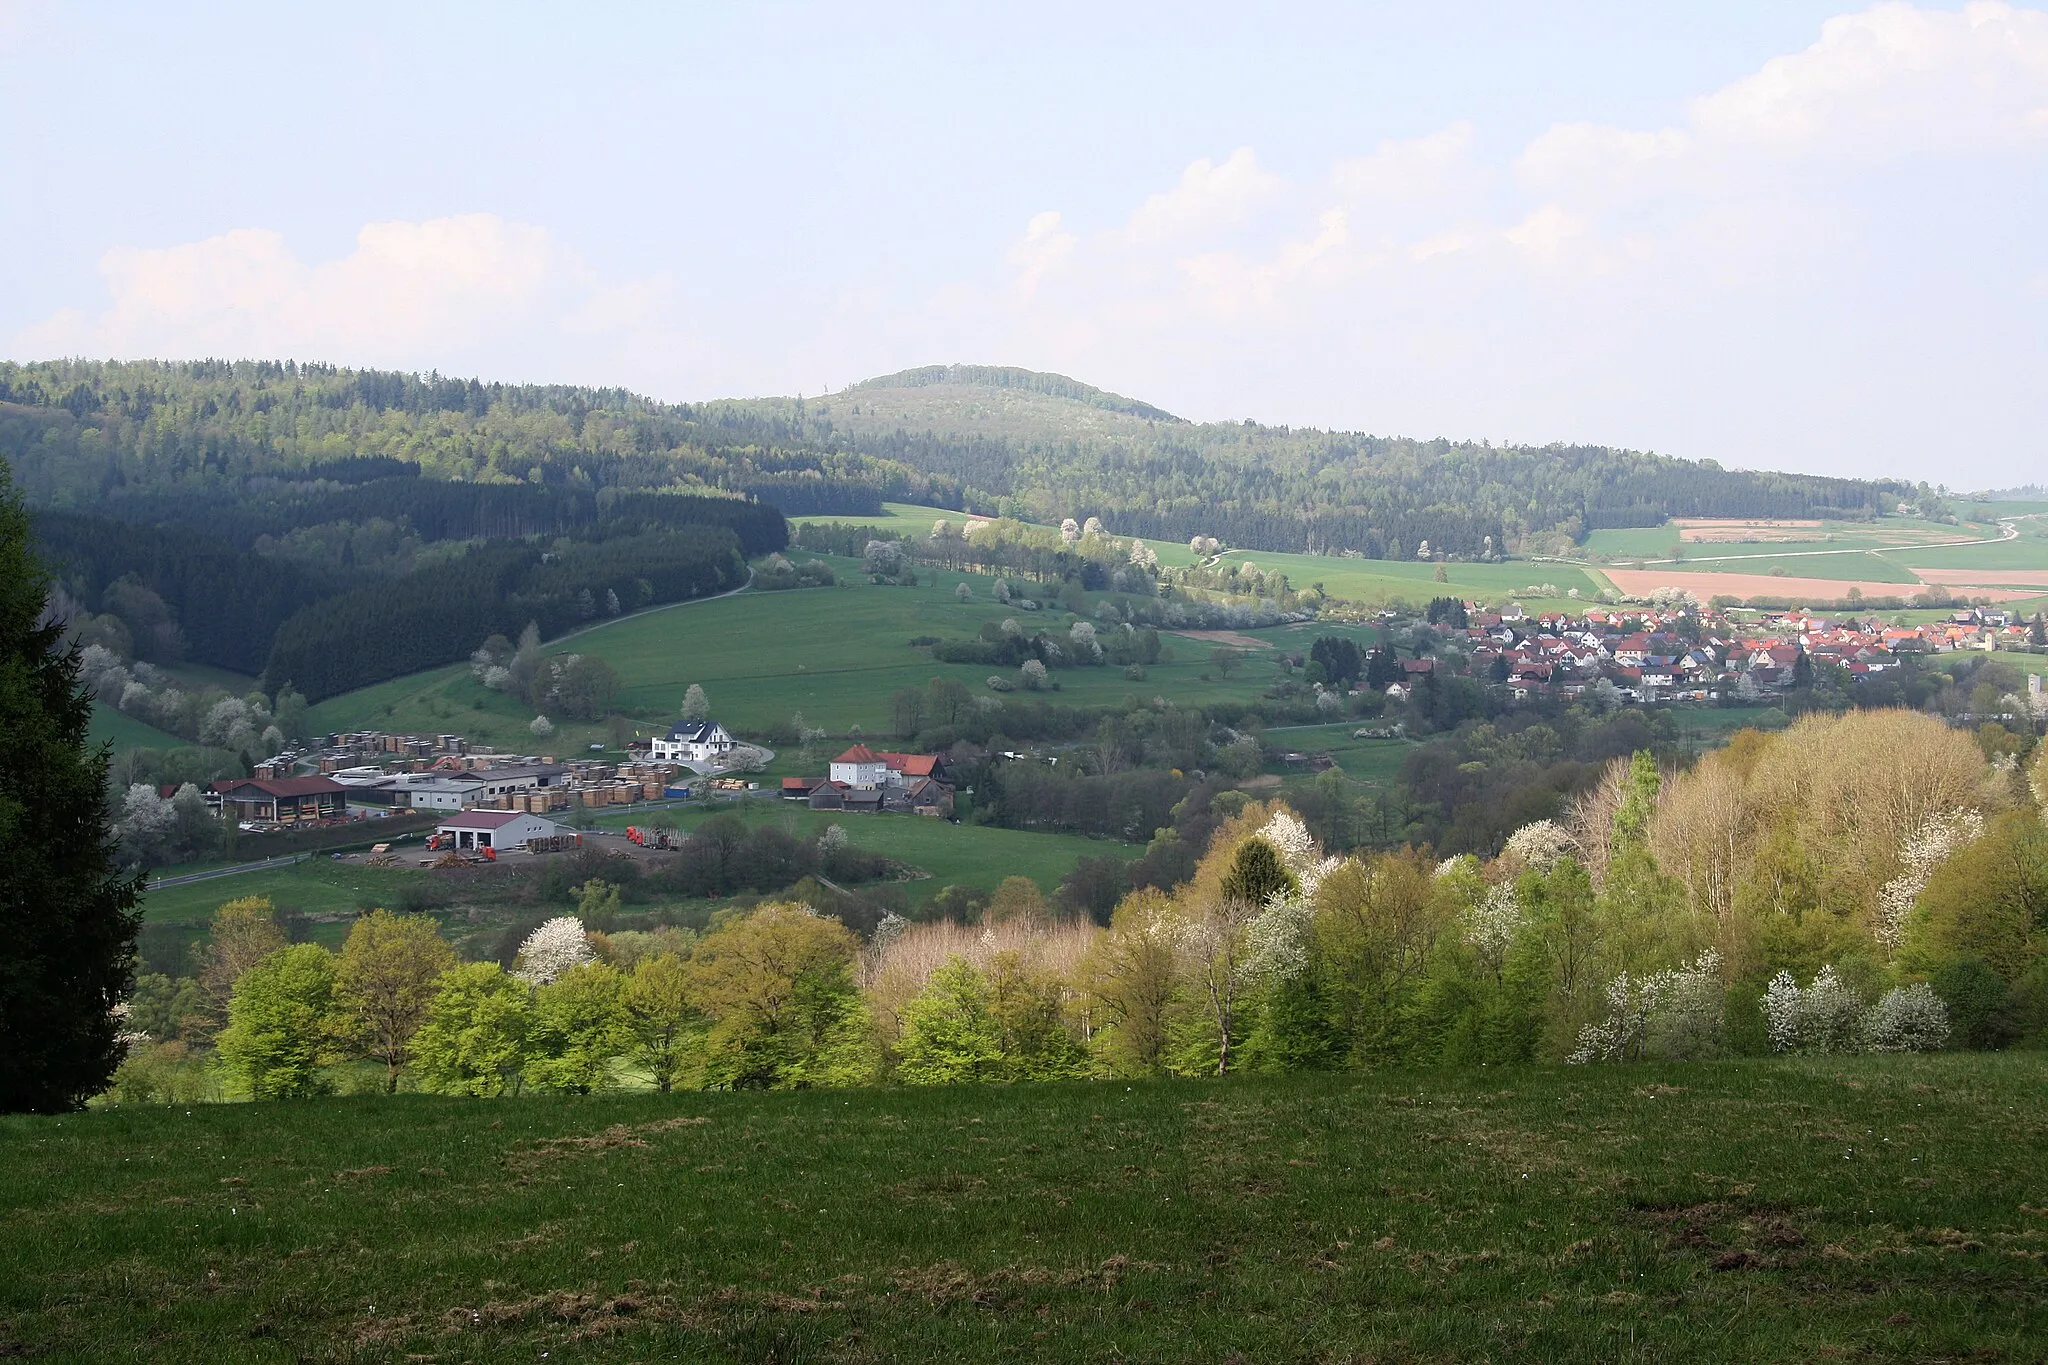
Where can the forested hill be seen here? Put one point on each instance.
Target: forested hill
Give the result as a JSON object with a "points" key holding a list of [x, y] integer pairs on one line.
{"points": [[133, 439]]}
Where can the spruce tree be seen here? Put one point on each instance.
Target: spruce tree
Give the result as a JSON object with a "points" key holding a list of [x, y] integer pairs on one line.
{"points": [[67, 916]]}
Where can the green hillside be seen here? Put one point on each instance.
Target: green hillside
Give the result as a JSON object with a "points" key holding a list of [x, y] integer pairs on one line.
{"points": [[835, 654], [1867, 1209], [125, 732]]}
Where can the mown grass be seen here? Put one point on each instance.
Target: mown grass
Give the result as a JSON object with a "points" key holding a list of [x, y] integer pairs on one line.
{"points": [[1869, 1209]]}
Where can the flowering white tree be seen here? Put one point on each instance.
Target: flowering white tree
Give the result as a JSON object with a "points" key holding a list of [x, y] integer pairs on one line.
{"points": [[963, 593], [696, 705], [1907, 1019], [1937, 839], [1276, 940], [1491, 923], [1299, 852], [1675, 1014], [1085, 644], [1001, 591], [146, 822], [1092, 526], [1143, 555], [1538, 846], [1823, 1017], [541, 727], [552, 949], [1033, 673], [1070, 530], [833, 837]]}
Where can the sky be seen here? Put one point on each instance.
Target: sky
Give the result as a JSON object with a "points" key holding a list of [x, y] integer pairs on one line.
{"points": [[1777, 235]]}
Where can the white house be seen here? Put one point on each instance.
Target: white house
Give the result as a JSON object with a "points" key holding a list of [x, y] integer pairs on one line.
{"points": [[499, 829], [694, 741], [860, 768]]}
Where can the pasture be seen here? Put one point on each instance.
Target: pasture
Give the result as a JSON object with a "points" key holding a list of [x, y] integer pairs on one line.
{"points": [[110, 726], [835, 654], [1373, 582], [1864, 1208]]}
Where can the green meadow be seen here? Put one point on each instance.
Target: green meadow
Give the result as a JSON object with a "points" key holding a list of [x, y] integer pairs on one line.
{"points": [[1860, 566], [110, 726], [1369, 581], [1869, 1208], [835, 654]]}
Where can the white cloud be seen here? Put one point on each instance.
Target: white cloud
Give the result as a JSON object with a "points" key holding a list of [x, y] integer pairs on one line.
{"points": [[1896, 76], [1740, 286], [1043, 250], [1208, 197], [408, 293], [1433, 167]]}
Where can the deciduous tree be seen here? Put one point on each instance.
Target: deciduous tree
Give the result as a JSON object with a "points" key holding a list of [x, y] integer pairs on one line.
{"points": [[385, 979], [473, 1041], [277, 1038]]}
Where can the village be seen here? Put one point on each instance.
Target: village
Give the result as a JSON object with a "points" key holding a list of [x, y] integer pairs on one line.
{"points": [[1682, 652]]}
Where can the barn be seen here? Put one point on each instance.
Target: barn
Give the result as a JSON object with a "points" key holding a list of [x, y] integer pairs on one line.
{"points": [[496, 829]]}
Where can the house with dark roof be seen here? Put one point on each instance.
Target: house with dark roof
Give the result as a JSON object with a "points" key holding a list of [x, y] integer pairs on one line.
{"points": [[694, 741], [283, 800]]}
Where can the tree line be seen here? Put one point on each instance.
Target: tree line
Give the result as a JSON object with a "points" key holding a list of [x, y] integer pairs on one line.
{"points": [[89, 433], [1759, 902]]}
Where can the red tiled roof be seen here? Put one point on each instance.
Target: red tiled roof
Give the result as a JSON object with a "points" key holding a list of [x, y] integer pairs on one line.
{"points": [[911, 765], [859, 753]]}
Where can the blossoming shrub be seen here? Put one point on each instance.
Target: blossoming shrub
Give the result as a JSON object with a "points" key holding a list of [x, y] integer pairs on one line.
{"points": [[1907, 1019]]}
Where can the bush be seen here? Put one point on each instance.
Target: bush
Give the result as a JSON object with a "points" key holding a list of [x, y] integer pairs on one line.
{"points": [[1977, 1002], [1907, 1019]]}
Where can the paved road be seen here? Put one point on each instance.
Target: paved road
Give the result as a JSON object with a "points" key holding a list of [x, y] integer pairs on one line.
{"points": [[284, 860]]}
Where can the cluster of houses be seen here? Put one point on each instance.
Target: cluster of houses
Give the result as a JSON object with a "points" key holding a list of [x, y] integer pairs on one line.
{"points": [[863, 780], [1642, 654], [367, 773]]}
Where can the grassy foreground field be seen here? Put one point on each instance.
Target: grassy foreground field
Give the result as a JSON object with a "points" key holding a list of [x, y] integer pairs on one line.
{"points": [[1874, 1209]]}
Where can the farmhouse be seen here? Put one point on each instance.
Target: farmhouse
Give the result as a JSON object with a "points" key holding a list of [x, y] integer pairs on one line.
{"points": [[496, 829], [283, 800], [694, 741], [868, 781], [860, 768]]}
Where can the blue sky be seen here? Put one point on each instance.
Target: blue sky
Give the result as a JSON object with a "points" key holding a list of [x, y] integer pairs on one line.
{"points": [[1777, 235]]}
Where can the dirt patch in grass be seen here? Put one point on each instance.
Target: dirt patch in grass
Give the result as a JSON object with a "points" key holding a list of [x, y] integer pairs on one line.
{"points": [[1706, 584], [1992, 577], [1225, 637]]}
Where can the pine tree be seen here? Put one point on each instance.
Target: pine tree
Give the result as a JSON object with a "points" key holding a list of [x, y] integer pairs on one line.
{"points": [[67, 919]]}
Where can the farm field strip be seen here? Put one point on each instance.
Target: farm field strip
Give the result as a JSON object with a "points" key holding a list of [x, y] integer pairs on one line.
{"points": [[1866, 1207]]}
